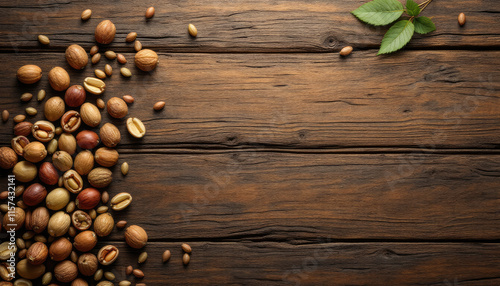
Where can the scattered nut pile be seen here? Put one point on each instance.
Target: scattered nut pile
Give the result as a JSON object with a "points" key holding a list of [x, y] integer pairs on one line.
{"points": [[57, 208]]}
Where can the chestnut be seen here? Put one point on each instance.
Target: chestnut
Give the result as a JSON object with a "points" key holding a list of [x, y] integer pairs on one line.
{"points": [[88, 199], [48, 173], [75, 96], [87, 139], [34, 194]]}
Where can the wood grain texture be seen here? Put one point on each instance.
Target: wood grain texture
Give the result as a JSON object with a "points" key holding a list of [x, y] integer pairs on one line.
{"points": [[297, 198], [326, 263], [238, 26], [431, 99]]}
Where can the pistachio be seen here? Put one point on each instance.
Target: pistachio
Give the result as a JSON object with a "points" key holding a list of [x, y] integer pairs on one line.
{"points": [[131, 37], [110, 55], [135, 127], [100, 74], [124, 168], [125, 72], [86, 14], [150, 12], [142, 257], [108, 70], [41, 95], [159, 105], [31, 111], [346, 51], [96, 58], [26, 96], [121, 201], [137, 46], [192, 30], [5, 116], [94, 85]]}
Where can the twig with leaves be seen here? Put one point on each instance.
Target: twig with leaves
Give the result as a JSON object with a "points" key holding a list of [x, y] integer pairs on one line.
{"points": [[385, 12]]}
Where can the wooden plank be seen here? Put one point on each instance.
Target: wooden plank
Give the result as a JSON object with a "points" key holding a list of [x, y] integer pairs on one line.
{"points": [[260, 196], [431, 99], [238, 25], [327, 263]]}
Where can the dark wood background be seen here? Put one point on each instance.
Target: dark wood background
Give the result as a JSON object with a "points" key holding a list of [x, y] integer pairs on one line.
{"points": [[280, 162]]}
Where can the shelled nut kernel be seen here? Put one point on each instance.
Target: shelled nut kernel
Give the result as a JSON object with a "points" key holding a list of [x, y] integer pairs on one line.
{"points": [[94, 85], [86, 14], [131, 37], [44, 40], [192, 30], [135, 127], [159, 105]]}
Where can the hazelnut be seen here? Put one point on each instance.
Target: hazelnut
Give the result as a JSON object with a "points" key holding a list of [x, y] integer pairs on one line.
{"points": [[37, 253], [75, 96], [80, 282], [103, 224], [84, 162], [8, 158], [57, 199], [87, 264], [136, 236], [67, 143], [81, 220], [65, 271], [25, 171], [62, 160], [34, 152], [105, 32], [29, 74], [90, 114], [34, 194], [58, 224], [106, 157], [87, 139], [85, 241], [19, 218], [88, 199], [60, 249], [54, 108], [76, 57], [110, 135], [48, 173], [29, 271], [100, 177], [59, 79], [107, 254], [23, 128], [39, 219], [146, 59], [117, 107]]}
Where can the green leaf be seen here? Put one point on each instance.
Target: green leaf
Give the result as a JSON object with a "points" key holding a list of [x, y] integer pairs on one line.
{"points": [[424, 25], [412, 8], [397, 37], [379, 12]]}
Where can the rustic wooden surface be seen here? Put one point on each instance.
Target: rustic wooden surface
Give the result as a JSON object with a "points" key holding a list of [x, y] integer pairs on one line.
{"points": [[280, 162]]}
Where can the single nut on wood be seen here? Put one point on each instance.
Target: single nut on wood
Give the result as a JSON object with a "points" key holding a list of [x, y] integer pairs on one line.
{"points": [[76, 56], [461, 19], [121, 201], [146, 59], [192, 30], [135, 127], [86, 14], [59, 79], [94, 85], [186, 258], [18, 118], [108, 70], [137, 45], [128, 99], [131, 37], [186, 248], [121, 59], [100, 74], [121, 224], [125, 72], [124, 168], [346, 51], [105, 32], [26, 96], [150, 12], [159, 105], [138, 273], [31, 111], [136, 236], [90, 114], [117, 107], [29, 74], [142, 257], [166, 255], [107, 254], [41, 95], [5, 116], [94, 50], [44, 40], [110, 55], [100, 103], [95, 58]]}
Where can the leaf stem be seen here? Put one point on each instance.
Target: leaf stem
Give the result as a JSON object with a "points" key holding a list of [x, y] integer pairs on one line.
{"points": [[425, 4]]}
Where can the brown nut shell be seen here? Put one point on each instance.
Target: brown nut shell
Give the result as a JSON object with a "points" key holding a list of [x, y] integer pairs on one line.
{"points": [[34, 152], [105, 32], [34, 194], [8, 158], [60, 249], [146, 59], [117, 107], [88, 199], [37, 253], [84, 162], [65, 271], [76, 56], [71, 121], [136, 236], [87, 264], [87, 139], [85, 241], [39, 219], [106, 157], [103, 224], [48, 174], [110, 135], [100, 177], [59, 78], [75, 96], [29, 74]]}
